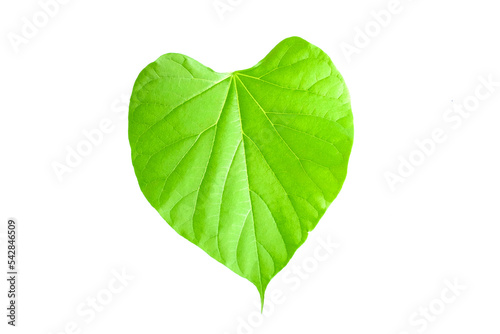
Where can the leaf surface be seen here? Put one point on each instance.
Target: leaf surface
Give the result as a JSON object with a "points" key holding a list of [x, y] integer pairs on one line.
{"points": [[243, 164]]}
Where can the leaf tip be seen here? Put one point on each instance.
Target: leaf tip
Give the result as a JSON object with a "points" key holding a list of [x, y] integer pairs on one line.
{"points": [[262, 293]]}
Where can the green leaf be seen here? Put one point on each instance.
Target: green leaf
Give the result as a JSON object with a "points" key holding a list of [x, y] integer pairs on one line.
{"points": [[243, 164]]}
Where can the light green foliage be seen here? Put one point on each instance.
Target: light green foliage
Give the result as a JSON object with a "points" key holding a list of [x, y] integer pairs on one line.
{"points": [[243, 164]]}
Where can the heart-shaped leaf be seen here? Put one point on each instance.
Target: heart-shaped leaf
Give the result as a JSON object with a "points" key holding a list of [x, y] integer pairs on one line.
{"points": [[243, 164]]}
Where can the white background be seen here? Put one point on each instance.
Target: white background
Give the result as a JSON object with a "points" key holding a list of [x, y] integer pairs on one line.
{"points": [[397, 247]]}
